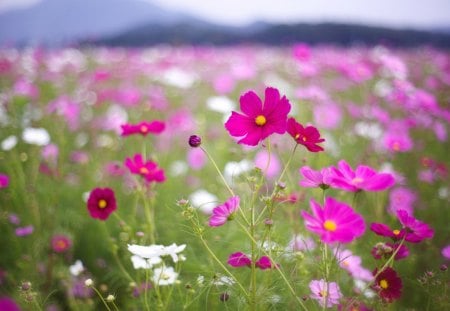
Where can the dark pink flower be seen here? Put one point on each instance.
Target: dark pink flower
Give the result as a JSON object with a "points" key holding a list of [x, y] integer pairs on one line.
{"points": [[143, 128], [239, 259], [222, 213], [313, 179], [265, 263], [60, 243], [363, 178], [259, 121], [4, 181], [388, 284], [386, 231], [101, 203], [149, 170], [385, 250], [335, 222], [8, 304], [307, 136], [416, 230]]}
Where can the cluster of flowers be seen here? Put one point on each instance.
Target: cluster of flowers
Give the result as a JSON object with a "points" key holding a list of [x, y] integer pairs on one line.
{"points": [[335, 221], [101, 201], [147, 257]]}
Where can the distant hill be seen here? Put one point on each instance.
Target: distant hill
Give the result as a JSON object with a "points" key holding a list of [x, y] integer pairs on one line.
{"points": [[56, 23], [275, 34], [59, 22]]}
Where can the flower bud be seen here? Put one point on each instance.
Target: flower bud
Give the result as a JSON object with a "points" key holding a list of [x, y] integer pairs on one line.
{"points": [[195, 141], [89, 282], [110, 298], [224, 297]]}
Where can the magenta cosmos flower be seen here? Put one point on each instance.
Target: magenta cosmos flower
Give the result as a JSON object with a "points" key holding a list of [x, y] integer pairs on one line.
{"points": [[101, 203], [307, 136], [335, 222], [4, 181], [412, 230], [240, 259], [363, 178], [60, 243], [388, 285], [143, 128], [327, 294], [313, 179], [149, 170], [222, 213], [259, 121]]}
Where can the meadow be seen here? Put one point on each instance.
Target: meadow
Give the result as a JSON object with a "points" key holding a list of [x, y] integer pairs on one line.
{"points": [[233, 178]]}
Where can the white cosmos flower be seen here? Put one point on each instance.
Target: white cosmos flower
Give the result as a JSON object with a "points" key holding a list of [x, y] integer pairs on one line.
{"points": [[173, 251], [233, 169], [9, 142], [36, 136], [203, 200], [223, 280], [142, 263], [76, 268], [220, 104], [146, 251], [164, 276]]}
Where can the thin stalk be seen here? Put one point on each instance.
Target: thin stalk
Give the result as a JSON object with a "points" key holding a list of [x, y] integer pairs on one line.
{"points": [[101, 297]]}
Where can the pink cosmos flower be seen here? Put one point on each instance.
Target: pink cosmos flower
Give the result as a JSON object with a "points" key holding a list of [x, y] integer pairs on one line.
{"points": [[313, 179], [4, 181], [60, 243], [265, 263], [222, 213], [239, 259], [416, 230], [327, 116], [143, 128], [327, 294], [363, 178], [261, 160], [401, 198], [196, 158], [352, 263], [101, 203], [335, 222], [446, 252], [307, 136], [259, 121], [24, 231], [413, 230], [149, 170], [8, 304], [385, 250]]}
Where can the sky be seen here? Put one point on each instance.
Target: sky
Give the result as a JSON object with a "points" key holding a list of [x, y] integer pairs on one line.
{"points": [[392, 13]]}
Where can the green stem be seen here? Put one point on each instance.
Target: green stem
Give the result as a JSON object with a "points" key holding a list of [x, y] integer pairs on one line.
{"points": [[205, 244], [101, 297]]}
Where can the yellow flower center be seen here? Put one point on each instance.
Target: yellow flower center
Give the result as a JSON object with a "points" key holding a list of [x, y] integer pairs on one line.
{"points": [[329, 225], [102, 203], [296, 136], [323, 293], [61, 244], [144, 129], [396, 232], [260, 120], [384, 284], [143, 170]]}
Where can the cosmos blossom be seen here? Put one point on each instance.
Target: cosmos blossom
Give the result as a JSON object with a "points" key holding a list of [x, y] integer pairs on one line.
{"points": [[313, 179], [388, 284], [413, 230], [259, 121], [222, 213], [363, 178], [307, 136], [60, 243], [240, 259], [4, 181], [148, 169], [101, 203], [144, 128], [327, 294], [334, 222]]}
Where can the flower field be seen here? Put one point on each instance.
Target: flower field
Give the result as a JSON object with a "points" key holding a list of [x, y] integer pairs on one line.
{"points": [[234, 178]]}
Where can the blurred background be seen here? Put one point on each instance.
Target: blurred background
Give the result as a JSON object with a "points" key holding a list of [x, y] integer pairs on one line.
{"points": [[56, 23]]}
